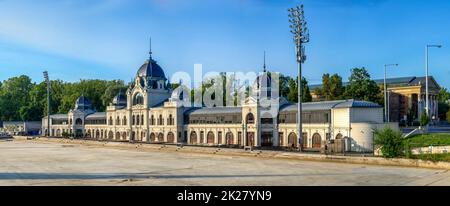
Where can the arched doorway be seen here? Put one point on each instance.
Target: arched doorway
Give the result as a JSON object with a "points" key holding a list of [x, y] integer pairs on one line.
{"points": [[97, 134], [110, 135], [170, 137], [292, 140], [339, 136], [58, 133], [210, 138], [152, 137], [316, 140], [229, 139], [117, 135], [193, 138], [124, 136], [160, 137]]}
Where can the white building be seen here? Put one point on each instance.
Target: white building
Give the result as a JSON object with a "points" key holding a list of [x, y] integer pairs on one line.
{"points": [[151, 112]]}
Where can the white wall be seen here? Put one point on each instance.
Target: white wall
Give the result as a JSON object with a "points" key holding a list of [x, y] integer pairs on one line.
{"points": [[374, 115]]}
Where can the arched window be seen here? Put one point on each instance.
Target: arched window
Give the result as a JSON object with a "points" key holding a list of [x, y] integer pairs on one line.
{"points": [[161, 121], [142, 119], [78, 121], [118, 121], [133, 120], [124, 120], [110, 122], [170, 120], [137, 120], [250, 118], [138, 99], [152, 120]]}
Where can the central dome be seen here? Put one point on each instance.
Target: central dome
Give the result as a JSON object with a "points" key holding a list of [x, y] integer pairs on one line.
{"points": [[151, 69]]}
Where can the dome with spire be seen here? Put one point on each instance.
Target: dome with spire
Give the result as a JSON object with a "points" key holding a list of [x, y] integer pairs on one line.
{"points": [[151, 69], [120, 99], [83, 103]]}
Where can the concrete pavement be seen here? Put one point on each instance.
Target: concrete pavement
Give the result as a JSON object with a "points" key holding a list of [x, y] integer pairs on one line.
{"points": [[52, 163]]}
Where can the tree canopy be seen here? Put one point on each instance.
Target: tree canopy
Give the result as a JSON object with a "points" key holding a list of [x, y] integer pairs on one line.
{"points": [[361, 87], [21, 99]]}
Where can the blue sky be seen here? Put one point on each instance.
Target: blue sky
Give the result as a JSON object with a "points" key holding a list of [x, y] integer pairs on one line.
{"points": [[108, 39]]}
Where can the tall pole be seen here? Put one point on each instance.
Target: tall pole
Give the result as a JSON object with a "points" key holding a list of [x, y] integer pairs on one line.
{"points": [[47, 79], [386, 102], [426, 81], [427, 103], [300, 122], [385, 96], [301, 36]]}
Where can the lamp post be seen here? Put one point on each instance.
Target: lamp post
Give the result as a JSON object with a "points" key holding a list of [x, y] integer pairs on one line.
{"points": [[386, 112], [301, 36], [427, 104], [48, 102]]}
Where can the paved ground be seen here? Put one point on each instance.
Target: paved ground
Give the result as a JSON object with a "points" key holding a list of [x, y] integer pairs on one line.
{"points": [[42, 163]]}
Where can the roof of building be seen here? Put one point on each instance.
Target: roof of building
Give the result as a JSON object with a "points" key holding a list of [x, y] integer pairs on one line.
{"points": [[59, 116], [120, 99], [97, 115], [397, 81], [213, 110], [328, 105], [151, 69], [83, 103]]}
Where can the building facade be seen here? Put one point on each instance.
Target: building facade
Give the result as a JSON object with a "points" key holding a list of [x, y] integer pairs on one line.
{"points": [[406, 97], [150, 111]]}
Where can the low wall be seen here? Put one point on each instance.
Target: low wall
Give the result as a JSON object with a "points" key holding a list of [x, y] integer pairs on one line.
{"points": [[431, 150], [254, 153]]}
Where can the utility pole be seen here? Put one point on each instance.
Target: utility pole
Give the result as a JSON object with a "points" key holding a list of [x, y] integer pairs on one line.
{"points": [[386, 103], [301, 36], [427, 103], [47, 79]]}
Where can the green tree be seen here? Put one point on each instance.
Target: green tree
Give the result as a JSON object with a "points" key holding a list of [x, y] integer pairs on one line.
{"points": [[14, 95], [448, 116], [336, 87], [361, 87], [293, 91], [391, 142], [444, 95], [424, 119]]}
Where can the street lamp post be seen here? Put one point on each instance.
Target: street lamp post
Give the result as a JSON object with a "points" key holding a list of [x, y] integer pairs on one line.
{"points": [[48, 102], [427, 104], [386, 110], [301, 36]]}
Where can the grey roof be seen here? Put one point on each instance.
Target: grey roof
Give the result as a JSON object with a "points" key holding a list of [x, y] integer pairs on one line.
{"points": [[97, 115], [151, 69], [83, 103], [328, 105], [213, 110], [397, 81], [59, 116], [120, 99]]}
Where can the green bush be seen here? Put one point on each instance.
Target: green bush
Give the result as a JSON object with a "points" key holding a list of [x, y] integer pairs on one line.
{"points": [[424, 119], [448, 116], [391, 142]]}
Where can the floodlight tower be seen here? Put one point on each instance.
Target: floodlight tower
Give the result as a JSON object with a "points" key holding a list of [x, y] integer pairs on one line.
{"points": [[300, 33]]}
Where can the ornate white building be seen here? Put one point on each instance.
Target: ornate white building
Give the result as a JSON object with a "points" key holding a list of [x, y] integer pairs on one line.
{"points": [[150, 112]]}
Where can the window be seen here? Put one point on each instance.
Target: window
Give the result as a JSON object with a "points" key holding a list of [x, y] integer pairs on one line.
{"points": [[124, 120], [152, 120], [138, 99], [133, 120]]}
